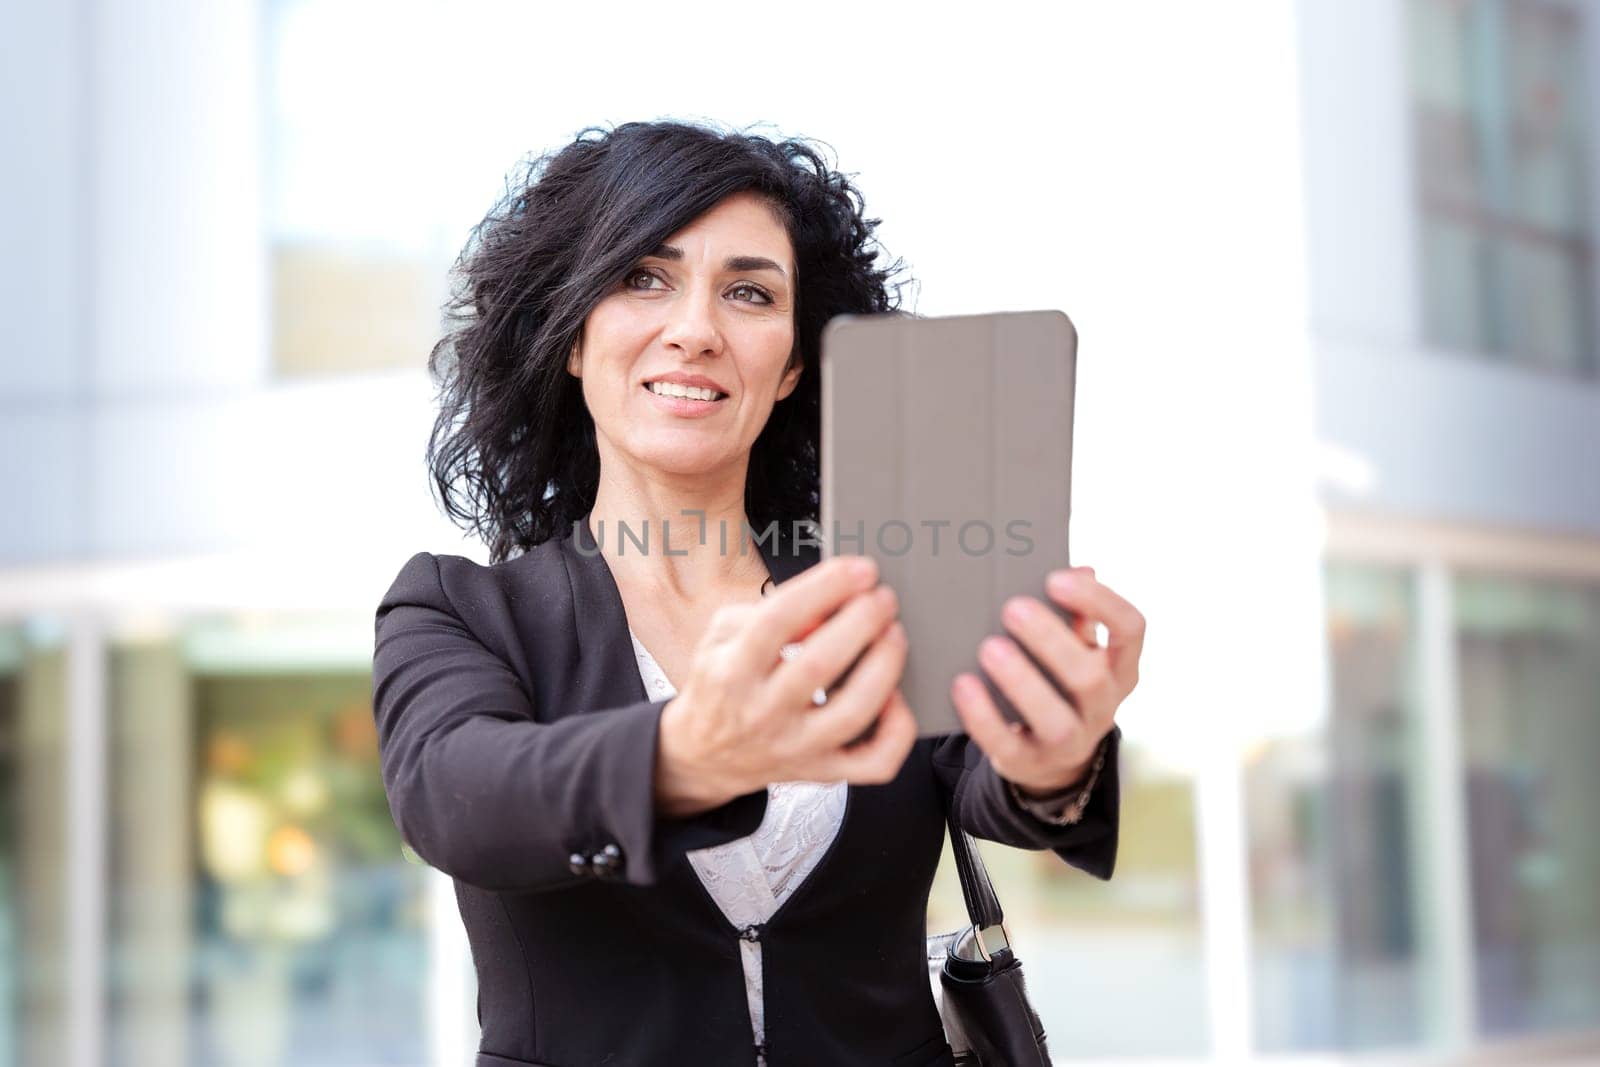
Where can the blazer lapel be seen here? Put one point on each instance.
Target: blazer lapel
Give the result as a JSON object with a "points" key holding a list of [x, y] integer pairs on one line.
{"points": [[600, 620]]}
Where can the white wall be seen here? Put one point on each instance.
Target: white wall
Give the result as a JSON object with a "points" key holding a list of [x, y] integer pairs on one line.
{"points": [[43, 353]]}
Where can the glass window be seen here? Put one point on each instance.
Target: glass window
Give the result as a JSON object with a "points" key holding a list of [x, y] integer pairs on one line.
{"points": [[1529, 655], [1104, 958], [261, 909], [1503, 186], [1331, 837], [33, 919]]}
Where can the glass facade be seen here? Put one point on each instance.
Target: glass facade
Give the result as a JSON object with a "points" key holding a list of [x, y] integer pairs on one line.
{"points": [[33, 842], [1529, 654], [260, 908], [1332, 831], [1341, 898], [1502, 143]]}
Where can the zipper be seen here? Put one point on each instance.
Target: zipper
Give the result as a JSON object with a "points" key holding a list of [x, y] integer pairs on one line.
{"points": [[752, 934], [752, 931]]}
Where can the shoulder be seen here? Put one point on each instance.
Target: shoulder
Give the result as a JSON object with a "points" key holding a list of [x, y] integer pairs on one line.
{"points": [[511, 608], [469, 589]]}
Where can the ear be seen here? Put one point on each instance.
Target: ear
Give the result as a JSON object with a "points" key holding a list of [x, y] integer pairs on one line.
{"points": [[791, 377], [575, 361]]}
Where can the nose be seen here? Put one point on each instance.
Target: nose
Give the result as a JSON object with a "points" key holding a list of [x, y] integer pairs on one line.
{"points": [[692, 325]]}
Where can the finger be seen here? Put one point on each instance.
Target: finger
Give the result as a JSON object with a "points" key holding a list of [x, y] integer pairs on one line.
{"points": [[1124, 623], [800, 604], [853, 706], [1087, 630], [1083, 670], [880, 758], [832, 647], [1053, 721], [1008, 749], [1083, 625], [1084, 628]]}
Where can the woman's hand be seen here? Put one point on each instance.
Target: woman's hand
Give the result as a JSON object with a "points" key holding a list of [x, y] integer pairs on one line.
{"points": [[745, 717], [1055, 744]]}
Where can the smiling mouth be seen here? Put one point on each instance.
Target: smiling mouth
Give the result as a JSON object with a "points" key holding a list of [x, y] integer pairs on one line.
{"points": [[685, 392]]}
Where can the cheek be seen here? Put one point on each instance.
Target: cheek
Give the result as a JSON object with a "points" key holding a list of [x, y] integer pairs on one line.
{"points": [[613, 339], [775, 342], [619, 316]]}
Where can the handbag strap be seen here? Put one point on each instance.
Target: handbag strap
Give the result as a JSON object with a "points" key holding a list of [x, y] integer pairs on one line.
{"points": [[983, 906]]}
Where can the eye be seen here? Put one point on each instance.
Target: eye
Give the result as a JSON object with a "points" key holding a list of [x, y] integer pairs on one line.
{"points": [[641, 272], [764, 296]]}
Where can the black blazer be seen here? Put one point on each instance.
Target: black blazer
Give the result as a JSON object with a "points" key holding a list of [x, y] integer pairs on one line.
{"points": [[517, 749]]}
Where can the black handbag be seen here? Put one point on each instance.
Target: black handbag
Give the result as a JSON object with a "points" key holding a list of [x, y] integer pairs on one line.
{"points": [[977, 980]]}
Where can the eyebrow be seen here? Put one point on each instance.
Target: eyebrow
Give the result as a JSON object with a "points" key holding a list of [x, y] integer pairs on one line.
{"points": [[732, 263]]}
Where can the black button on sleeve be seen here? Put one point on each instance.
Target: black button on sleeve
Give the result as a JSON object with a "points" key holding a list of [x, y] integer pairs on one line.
{"points": [[608, 861]]}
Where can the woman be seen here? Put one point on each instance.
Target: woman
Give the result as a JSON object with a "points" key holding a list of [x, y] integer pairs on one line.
{"points": [[669, 841]]}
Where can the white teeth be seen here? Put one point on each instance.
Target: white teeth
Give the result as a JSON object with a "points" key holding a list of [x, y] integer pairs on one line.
{"points": [[693, 392]]}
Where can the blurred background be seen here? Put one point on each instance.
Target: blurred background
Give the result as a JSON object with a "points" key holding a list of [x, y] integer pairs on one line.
{"points": [[1333, 268]]}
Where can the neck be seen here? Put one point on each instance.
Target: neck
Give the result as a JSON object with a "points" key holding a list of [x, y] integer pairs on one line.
{"points": [[677, 540]]}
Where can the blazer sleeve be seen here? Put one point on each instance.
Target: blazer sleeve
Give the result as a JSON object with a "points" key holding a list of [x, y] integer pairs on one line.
{"points": [[486, 793], [986, 806]]}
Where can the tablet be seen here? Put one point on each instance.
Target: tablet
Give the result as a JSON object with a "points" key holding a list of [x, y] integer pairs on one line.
{"points": [[946, 455]]}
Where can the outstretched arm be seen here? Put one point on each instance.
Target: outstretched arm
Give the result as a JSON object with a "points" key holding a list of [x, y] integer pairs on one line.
{"points": [[491, 793], [1080, 826], [1005, 777]]}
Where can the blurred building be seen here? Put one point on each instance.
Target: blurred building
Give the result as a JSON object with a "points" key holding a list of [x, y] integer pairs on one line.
{"points": [[1332, 259], [1451, 192]]}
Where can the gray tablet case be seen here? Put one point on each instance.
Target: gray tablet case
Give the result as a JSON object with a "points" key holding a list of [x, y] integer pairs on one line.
{"points": [[947, 457]]}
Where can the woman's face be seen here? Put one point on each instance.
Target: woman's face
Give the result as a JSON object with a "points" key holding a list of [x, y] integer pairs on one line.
{"points": [[714, 304]]}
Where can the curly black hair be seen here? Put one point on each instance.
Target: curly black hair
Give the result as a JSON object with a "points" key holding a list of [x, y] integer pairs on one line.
{"points": [[512, 452]]}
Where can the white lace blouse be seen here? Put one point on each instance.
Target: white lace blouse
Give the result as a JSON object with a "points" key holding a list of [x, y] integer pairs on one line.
{"points": [[750, 877]]}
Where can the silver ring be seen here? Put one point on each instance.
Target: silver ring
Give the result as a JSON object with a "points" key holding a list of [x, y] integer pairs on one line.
{"points": [[790, 651]]}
